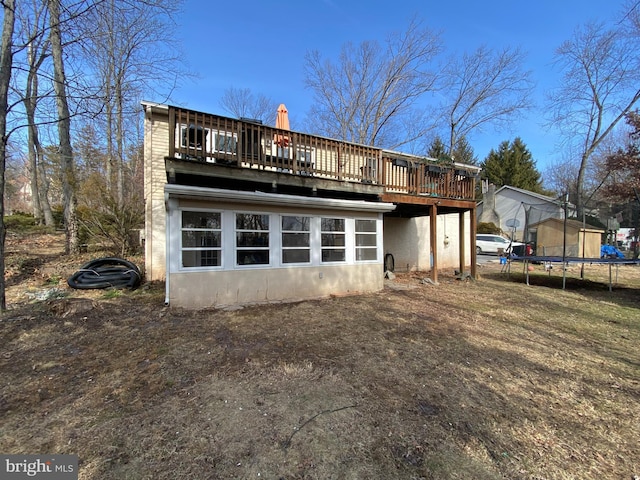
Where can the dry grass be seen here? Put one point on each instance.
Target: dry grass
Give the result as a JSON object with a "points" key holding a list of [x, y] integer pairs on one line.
{"points": [[484, 380]]}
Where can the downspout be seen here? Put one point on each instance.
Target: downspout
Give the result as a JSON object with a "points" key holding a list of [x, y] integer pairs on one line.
{"points": [[167, 231]]}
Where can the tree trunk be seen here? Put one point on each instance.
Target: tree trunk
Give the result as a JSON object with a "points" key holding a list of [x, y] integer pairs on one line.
{"points": [[6, 61], [39, 183], [109, 134], [29, 106], [452, 140], [33, 174], [109, 81], [580, 201], [119, 145], [72, 243], [43, 185]]}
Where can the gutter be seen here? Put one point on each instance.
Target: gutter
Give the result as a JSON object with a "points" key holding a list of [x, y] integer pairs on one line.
{"points": [[221, 195]]}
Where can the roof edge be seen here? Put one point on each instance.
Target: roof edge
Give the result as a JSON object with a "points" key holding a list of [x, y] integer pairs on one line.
{"points": [[188, 191]]}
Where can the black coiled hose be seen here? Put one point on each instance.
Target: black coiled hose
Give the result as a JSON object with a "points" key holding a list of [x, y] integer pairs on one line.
{"points": [[108, 272]]}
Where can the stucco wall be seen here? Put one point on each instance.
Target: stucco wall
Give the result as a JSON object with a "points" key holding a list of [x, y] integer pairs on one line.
{"points": [[408, 240], [220, 288]]}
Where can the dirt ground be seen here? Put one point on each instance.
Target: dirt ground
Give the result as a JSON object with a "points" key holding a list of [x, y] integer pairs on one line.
{"points": [[486, 379]]}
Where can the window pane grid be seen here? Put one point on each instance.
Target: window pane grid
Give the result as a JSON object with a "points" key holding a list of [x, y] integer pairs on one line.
{"points": [[366, 226], [363, 254], [366, 240], [333, 239], [201, 239], [296, 239], [302, 240], [252, 239]]}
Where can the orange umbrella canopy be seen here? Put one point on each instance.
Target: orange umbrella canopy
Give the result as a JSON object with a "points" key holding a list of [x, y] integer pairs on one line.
{"points": [[282, 119], [282, 122]]}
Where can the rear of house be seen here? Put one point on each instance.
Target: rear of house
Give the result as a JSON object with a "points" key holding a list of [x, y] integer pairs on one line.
{"points": [[238, 212]]}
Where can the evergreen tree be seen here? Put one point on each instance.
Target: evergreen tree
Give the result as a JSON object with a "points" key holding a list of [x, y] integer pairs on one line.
{"points": [[512, 164], [462, 152], [437, 149]]}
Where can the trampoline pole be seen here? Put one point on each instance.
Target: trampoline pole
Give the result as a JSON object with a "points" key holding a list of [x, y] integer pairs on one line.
{"points": [[564, 243], [584, 230], [610, 288]]}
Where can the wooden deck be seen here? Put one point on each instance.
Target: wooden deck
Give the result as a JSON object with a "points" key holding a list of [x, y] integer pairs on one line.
{"points": [[212, 140]]}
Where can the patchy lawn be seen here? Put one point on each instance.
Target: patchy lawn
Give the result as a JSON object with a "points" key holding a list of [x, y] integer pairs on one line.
{"points": [[486, 380]]}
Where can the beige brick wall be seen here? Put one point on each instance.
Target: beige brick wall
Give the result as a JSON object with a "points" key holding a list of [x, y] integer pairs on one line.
{"points": [[156, 142]]}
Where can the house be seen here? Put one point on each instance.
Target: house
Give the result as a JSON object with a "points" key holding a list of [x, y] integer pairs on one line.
{"points": [[237, 212], [512, 209], [553, 237]]}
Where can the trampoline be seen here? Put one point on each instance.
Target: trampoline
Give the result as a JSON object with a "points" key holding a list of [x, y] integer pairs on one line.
{"points": [[567, 260]]}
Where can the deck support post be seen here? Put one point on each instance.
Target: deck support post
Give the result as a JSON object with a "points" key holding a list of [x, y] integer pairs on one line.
{"points": [[473, 226], [461, 241], [433, 242]]}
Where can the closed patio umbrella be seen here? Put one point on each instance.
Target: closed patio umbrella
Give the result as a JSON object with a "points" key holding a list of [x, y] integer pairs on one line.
{"points": [[282, 122]]}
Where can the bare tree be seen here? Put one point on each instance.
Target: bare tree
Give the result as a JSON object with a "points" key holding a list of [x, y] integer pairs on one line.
{"points": [[124, 42], [72, 244], [37, 52], [560, 177], [46, 60], [486, 87], [6, 58], [365, 95], [241, 102], [600, 85]]}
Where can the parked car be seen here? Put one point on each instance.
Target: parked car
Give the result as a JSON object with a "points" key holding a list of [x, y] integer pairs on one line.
{"points": [[486, 243]]}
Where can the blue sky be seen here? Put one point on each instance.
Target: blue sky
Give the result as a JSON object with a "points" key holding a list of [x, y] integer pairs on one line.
{"points": [[261, 45]]}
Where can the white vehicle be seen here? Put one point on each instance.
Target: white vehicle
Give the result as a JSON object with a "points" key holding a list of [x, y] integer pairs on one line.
{"points": [[486, 243]]}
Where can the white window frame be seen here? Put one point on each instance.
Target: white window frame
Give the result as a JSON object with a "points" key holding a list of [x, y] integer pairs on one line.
{"points": [[367, 233], [306, 156], [228, 248], [335, 247], [183, 141], [182, 248], [270, 248], [228, 135], [283, 232]]}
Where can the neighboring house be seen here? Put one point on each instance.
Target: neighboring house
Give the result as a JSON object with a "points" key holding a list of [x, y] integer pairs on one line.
{"points": [[18, 196], [511, 209], [238, 212], [624, 237], [580, 240]]}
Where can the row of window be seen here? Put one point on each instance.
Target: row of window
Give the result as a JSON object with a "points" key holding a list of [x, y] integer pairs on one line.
{"points": [[269, 239]]}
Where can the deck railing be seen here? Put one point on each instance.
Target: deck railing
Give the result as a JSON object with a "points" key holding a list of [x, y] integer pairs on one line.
{"points": [[247, 143]]}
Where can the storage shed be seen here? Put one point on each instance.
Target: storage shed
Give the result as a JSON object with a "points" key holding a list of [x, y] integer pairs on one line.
{"points": [[581, 240]]}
